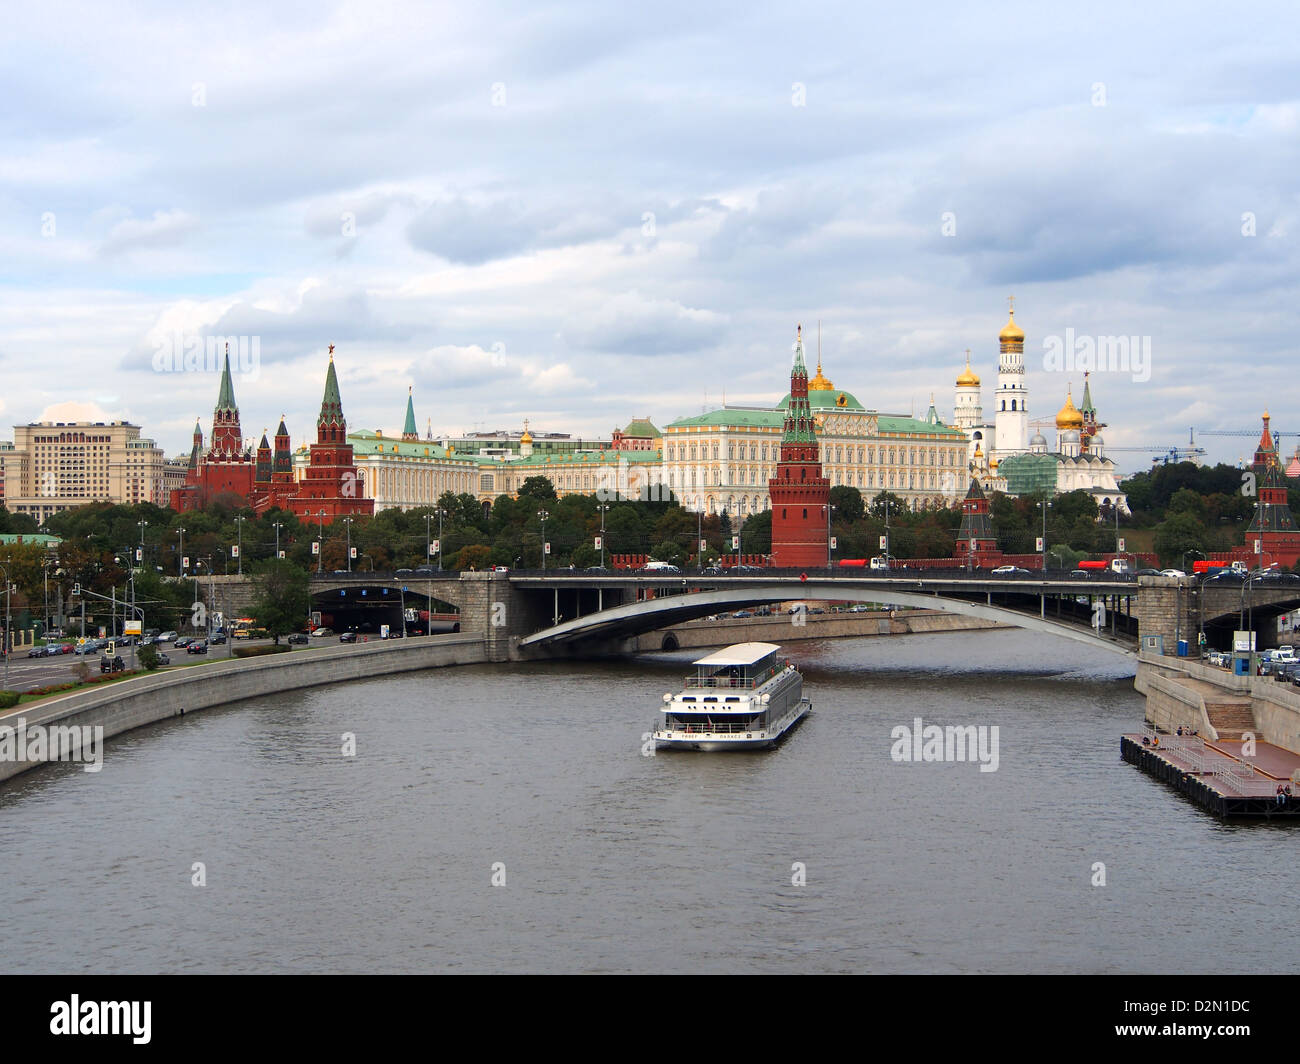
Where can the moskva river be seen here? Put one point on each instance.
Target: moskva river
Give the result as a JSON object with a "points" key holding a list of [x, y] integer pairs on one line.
{"points": [[506, 818]]}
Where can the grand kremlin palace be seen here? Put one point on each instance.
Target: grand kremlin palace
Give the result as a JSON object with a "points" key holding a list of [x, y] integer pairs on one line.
{"points": [[723, 459], [404, 471]]}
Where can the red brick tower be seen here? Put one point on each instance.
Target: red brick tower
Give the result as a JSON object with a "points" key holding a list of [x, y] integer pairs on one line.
{"points": [[1272, 535], [331, 481], [800, 494]]}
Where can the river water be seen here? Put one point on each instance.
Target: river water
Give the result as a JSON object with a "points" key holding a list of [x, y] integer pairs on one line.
{"points": [[618, 862]]}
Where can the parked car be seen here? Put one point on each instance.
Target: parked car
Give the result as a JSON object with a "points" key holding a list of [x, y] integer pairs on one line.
{"points": [[817, 609], [166, 637], [299, 637], [596, 569], [402, 572], [425, 570], [347, 637], [322, 631], [199, 646], [742, 613], [36, 652]]}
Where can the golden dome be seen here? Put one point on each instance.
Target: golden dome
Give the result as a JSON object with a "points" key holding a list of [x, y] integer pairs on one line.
{"points": [[527, 437], [1068, 417], [1011, 332], [819, 383], [968, 378], [993, 463]]}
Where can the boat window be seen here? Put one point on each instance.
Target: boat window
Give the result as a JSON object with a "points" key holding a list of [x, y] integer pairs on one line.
{"points": [[710, 698], [732, 698]]}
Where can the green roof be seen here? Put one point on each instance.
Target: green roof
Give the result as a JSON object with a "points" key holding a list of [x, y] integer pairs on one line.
{"points": [[331, 406], [642, 429], [369, 443], [409, 428], [735, 417], [889, 423], [828, 400], [226, 396]]}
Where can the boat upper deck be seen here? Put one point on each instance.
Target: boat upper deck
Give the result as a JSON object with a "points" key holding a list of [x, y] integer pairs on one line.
{"points": [[745, 665]]}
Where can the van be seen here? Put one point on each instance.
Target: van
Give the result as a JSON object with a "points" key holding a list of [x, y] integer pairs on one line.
{"points": [[659, 567], [880, 562], [1120, 565], [1239, 567]]}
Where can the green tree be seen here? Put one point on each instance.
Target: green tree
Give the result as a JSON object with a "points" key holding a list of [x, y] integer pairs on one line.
{"points": [[668, 551], [538, 489], [1176, 534], [847, 501], [148, 657], [282, 590]]}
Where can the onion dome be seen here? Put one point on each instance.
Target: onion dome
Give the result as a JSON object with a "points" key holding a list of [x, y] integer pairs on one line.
{"points": [[1038, 440], [1068, 417], [968, 378], [1011, 332]]}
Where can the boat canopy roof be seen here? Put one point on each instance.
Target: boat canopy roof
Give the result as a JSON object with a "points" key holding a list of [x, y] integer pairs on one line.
{"points": [[739, 654]]}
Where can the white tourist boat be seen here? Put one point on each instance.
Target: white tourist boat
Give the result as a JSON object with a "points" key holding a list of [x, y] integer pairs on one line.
{"points": [[740, 698]]}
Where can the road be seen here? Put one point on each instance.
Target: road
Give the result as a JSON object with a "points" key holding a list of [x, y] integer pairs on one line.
{"points": [[27, 673]]}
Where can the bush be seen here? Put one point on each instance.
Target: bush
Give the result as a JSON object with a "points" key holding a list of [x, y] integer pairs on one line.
{"points": [[8, 699], [257, 652], [148, 656], [82, 671]]}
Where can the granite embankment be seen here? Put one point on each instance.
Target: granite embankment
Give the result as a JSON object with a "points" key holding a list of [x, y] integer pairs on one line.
{"points": [[157, 696]]}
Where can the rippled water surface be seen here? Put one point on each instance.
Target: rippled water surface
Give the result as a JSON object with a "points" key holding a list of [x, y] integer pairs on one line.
{"points": [[614, 861]]}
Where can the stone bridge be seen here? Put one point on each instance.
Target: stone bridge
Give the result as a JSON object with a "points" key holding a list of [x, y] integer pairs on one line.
{"points": [[535, 613]]}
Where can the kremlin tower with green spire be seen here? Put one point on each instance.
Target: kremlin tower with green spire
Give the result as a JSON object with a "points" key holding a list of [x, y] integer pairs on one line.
{"points": [[800, 494]]}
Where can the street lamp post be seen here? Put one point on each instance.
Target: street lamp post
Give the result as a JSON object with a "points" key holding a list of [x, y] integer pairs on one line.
{"points": [[829, 560], [9, 641], [278, 526], [699, 534], [543, 515], [441, 514], [143, 525], [603, 508], [347, 525], [239, 549], [180, 553], [320, 541], [1045, 505]]}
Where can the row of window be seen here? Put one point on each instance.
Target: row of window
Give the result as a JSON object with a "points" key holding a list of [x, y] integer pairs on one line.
{"points": [[865, 454]]}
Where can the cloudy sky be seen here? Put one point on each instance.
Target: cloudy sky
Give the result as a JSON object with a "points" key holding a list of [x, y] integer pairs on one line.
{"points": [[581, 213]]}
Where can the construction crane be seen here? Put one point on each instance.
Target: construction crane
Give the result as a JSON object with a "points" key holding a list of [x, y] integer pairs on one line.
{"points": [[1277, 436], [1166, 455]]}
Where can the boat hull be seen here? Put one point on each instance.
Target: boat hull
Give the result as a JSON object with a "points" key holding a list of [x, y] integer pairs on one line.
{"points": [[717, 742]]}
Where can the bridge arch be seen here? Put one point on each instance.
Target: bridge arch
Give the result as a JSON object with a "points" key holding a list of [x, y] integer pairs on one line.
{"points": [[649, 615]]}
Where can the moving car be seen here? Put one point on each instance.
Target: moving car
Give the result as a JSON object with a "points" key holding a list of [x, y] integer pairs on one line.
{"points": [[1177, 574], [217, 639], [1008, 570], [299, 637], [182, 642], [347, 637], [323, 631], [199, 646], [166, 637], [115, 664]]}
